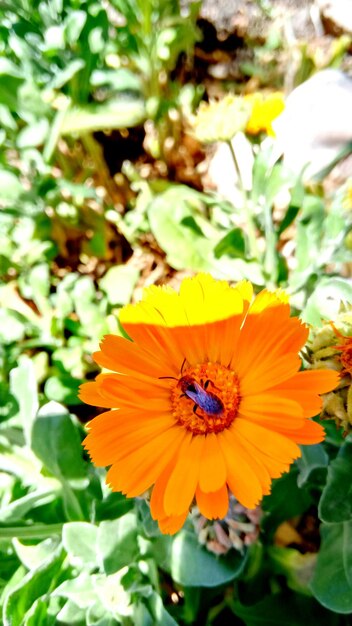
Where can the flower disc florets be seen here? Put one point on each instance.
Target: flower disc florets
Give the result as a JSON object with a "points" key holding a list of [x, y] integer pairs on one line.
{"points": [[223, 383]]}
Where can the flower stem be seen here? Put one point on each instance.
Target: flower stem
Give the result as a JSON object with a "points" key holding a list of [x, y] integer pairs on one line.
{"points": [[36, 531], [251, 229]]}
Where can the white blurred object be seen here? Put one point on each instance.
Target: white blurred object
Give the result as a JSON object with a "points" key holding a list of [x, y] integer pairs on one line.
{"points": [[337, 15], [316, 123]]}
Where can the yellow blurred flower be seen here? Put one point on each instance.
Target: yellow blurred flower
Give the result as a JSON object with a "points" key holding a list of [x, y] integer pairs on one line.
{"points": [[347, 199], [264, 109], [220, 120]]}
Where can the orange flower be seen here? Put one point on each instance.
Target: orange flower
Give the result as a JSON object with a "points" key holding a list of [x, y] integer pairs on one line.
{"points": [[206, 398], [345, 348]]}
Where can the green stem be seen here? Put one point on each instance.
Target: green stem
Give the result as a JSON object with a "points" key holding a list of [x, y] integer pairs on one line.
{"points": [[251, 229], [37, 531], [96, 153], [270, 263]]}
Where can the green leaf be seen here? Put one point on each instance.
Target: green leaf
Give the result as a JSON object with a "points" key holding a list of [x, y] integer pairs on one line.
{"points": [[278, 507], [297, 198], [71, 614], [74, 24], [113, 506], [121, 112], [313, 457], [56, 442], [33, 585], [80, 590], [336, 501], [39, 287], [119, 79], [65, 75], [23, 386], [233, 244], [32, 556], [326, 299], [79, 540], [63, 389], [117, 544], [8, 403], [33, 135], [12, 327], [332, 581], [296, 567], [10, 186], [18, 509], [191, 565], [159, 614], [189, 239], [284, 610], [118, 283], [38, 614]]}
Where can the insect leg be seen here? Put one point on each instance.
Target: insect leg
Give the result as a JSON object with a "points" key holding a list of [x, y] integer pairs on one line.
{"points": [[195, 407], [210, 382]]}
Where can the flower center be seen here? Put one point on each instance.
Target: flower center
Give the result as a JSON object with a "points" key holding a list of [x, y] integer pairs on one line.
{"points": [[346, 355], [205, 398]]}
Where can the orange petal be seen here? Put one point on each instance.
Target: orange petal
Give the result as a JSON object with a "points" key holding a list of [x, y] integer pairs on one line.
{"points": [[171, 524], [212, 474], [270, 405], [309, 434], [181, 486], [213, 505], [275, 333], [124, 391], [253, 460], [267, 467], [221, 339], [242, 479], [273, 444], [159, 341], [314, 381], [309, 402], [121, 355], [108, 446], [269, 372], [90, 394], [157, 498], [136, 472]]}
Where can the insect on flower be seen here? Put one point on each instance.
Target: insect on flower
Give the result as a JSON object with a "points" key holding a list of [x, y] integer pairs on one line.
{"points": [[202, 398]]}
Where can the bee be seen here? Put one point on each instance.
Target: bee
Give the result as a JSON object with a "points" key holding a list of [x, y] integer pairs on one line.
{"points": [[202, 398]]}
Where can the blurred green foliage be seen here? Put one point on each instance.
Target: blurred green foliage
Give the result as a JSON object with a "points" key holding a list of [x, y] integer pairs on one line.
{"points": [[72, 552]]}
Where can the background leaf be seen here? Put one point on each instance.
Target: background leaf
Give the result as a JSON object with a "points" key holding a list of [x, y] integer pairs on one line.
{"points": [[332, 580]]}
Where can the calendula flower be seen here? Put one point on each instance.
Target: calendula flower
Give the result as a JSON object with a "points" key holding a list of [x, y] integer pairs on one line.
{"points": [[264, 109], [220, 120], [331, 347], [206, 398]]}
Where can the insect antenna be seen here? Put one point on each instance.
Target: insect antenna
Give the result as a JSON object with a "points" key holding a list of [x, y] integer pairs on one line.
{"points": [[174, 377]]}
